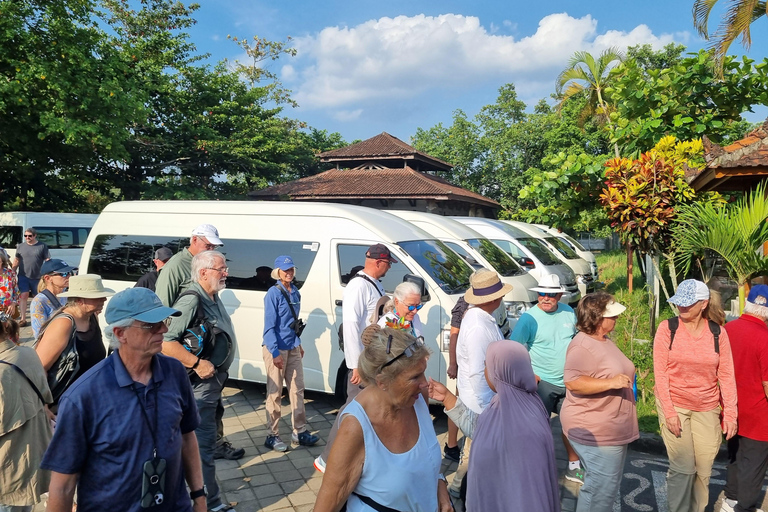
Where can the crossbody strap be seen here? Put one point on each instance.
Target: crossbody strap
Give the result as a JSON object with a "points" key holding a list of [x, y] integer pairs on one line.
{"points": [[288, 300], [370, 281], [374, 505], [199, 315], [51, 297], [37, 391]]}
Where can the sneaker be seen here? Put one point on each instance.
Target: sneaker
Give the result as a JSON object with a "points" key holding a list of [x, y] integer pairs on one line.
{"points": [[575, 475], [728, 505], [275, 443], [226, 451], [453, 454], [304, 439], [222, 508], [320, 464]]}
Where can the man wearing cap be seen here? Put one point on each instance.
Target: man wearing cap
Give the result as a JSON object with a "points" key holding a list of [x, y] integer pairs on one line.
{"points": [[748, 450], [30, 256], [55, 274], [358, 302], [283, 353], [209, 277], [546, 331], [130, 415], [149, 280], [176, 273]]}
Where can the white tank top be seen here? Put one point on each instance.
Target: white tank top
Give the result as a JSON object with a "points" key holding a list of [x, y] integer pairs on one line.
{"points": [[406, 482]]}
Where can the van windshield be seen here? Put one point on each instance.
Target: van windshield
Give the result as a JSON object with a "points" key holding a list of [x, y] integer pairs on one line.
{"points": [[501, 261], [562, 247], [537, 247], [448, 270]]}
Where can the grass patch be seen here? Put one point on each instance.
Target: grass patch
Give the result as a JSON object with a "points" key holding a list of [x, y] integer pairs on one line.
{"points": [[633, 329]]}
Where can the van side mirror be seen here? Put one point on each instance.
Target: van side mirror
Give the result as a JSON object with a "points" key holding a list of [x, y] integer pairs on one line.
{"points": [[418, 281]]}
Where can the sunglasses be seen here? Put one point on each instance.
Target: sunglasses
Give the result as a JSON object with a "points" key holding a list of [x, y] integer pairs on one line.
{"points": [[408, 352], [29, 236], [550, 295], [416, 307], [65, 274], [153, 328]]}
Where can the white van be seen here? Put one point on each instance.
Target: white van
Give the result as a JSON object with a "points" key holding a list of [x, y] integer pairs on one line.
{"points": [[64, 233], [326, 241], [479, 252], [574, 244], [532, 254], [580, 267]]}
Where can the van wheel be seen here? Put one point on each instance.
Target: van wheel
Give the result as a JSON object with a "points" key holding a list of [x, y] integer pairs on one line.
{"points": [[341, 382]]}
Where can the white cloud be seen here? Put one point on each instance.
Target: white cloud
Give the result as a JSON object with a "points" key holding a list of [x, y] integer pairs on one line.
{"points": [[347, 115], [402, 57]]}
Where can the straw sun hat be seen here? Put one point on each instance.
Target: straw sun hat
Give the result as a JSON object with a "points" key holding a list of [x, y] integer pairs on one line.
{"points": [[485, 286], [87, 286]]}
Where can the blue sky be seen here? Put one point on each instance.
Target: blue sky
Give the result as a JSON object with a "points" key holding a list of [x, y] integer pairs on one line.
{"points": [[365, 67]]}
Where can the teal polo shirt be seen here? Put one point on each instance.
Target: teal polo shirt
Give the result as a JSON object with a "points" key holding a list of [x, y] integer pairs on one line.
{"points": [[547, 336]]}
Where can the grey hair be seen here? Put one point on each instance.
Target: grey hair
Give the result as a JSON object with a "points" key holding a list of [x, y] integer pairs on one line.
{"points": [[756, 310], [374, 355], [204, 260], [109, 331], [404, 289], [33, 231]]}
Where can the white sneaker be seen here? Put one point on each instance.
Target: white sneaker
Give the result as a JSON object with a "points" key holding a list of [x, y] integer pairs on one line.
{"points": [[320, 464], [728, 505]]}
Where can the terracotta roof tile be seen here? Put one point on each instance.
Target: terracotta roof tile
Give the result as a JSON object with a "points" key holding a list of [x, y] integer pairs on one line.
{"points": [[383, 145], [751, 151], [403, 183]]}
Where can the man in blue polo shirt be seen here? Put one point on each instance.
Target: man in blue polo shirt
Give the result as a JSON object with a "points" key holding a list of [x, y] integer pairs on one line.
{"points": [[546, 331], [125, 432]]}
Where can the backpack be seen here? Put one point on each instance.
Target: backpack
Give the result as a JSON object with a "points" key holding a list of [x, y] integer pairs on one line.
{"points": [[202, 339], [714, 328], [341, 326]]}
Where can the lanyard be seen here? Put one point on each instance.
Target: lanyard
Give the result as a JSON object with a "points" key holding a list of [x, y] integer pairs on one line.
{"points": [[146, 418]]}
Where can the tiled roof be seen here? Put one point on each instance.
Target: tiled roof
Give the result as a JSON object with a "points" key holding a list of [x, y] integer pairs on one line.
{"points": [[382, 146], [751, 151], [404, 183]]}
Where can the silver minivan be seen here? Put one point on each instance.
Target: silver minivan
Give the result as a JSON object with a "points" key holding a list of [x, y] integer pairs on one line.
{"points": [[567, 255], [479, 252], [583, 253], [531, 253]]}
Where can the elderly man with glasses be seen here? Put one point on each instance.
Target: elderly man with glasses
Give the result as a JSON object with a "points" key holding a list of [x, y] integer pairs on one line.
{"points": [[30, 256], [207, 375], [546, 331], [125, 435]]}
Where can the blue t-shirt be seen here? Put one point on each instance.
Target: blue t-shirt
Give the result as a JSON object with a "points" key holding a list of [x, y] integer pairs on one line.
{"points": [[547, 336], [278, 318], [102, 434]]}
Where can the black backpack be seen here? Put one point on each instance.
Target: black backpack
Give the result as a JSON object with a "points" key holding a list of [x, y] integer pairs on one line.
{"points": [[714, 328], [202, 339]]}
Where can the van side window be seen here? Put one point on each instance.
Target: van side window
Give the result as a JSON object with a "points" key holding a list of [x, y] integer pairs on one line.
{"points": [[471, 261], [62, 237], [352, 259], [128, 257], [10, 236]]}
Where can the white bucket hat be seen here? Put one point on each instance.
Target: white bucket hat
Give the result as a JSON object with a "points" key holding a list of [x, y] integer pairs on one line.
{"points": [[87, 286], [549, 284]]}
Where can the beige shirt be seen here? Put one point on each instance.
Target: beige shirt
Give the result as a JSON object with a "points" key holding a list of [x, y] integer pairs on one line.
{"points": [[603, 419], [24, 428]]}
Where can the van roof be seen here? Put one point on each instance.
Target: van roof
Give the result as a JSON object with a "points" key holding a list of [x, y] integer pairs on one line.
{"points": [[30, 219], [387, 226], [494, 224], [529, 228], [438, 225]]}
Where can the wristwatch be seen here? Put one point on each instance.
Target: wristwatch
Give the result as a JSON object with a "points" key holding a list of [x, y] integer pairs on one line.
{"points": [[198, 493]]}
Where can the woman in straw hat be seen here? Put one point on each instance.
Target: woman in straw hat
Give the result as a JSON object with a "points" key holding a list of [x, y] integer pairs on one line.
{"points": [[74, 328]]}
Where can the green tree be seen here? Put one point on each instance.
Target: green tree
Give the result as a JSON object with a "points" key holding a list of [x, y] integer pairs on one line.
{"points": [[585, 74], [736, 22], [648, 58], [735, 232], [686, 100]]}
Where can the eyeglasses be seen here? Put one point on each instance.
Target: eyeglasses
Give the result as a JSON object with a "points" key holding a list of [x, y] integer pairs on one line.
{"points": [[416, 307], [550, 295], [153, 328], [408, 352], [223, 270], [388, 262], [29, 236], [208, 245]]}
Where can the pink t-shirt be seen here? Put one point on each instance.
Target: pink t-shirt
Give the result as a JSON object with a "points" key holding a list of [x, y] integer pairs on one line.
{"points": [[603, 419]]}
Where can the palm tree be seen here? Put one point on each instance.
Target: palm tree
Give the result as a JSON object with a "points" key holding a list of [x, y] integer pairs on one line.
{"points": [[735, 232], [735, 22], [584, 73]]}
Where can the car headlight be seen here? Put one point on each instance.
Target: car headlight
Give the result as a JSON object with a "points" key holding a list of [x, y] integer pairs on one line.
{"points": [[581, 279], [516, 309]]}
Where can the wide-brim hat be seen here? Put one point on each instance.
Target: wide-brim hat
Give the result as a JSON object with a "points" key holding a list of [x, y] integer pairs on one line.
{"points": [[613, 308], [141, 304], [485, 286], [689, 292], [549, 284], [87, 286]]}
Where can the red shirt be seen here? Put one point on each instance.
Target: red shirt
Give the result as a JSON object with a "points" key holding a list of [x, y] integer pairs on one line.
{"points": [[749, 346]]}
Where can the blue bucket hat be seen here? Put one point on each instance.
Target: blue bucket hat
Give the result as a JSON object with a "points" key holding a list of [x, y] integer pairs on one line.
{"points": [[141, 304], [689, 292]]}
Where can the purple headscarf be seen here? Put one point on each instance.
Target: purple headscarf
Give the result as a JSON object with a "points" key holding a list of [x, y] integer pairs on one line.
{"points": [[512, 460]]}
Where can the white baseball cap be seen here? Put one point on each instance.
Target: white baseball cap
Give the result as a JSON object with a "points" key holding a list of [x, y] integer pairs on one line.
{"points": [[209, 232]]}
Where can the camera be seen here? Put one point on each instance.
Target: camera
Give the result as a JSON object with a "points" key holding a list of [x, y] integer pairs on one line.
{"points": [[298, 326]]}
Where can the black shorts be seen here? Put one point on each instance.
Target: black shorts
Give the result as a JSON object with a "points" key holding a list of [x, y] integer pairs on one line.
{"points": [[551, 395]]}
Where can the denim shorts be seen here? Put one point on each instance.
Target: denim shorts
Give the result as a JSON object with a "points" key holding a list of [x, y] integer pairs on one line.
{"points": [[28, 285]]}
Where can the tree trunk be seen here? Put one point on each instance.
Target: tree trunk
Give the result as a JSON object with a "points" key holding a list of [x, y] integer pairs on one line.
{"points": [[661, 277], [629, 266]]}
